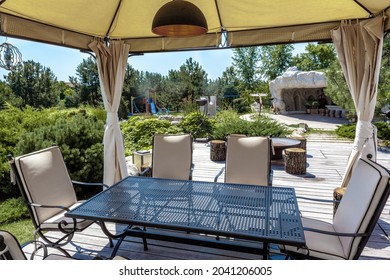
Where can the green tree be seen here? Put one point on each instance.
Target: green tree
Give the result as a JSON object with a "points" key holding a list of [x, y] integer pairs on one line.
{"points": [[337, 88], [34, 84], [275, 60], [86, 84], [193, 80], [7, 96], [246, 67], [315, 57]]}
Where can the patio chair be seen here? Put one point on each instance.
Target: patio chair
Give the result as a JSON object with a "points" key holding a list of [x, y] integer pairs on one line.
{"points": [[171, 159], [172, 156], [48, 192], [10, 249], [248, 161], [354, 221]]}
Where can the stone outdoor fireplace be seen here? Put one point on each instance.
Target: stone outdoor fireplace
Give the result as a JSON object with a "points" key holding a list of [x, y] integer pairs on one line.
{"points": [[295, 91]]}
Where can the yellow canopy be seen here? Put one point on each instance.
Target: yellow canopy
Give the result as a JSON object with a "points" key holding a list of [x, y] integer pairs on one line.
{"points": [[75, 23]]}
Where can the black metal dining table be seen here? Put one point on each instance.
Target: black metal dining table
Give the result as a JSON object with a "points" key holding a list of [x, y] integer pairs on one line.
{"points": [[211, 214]]}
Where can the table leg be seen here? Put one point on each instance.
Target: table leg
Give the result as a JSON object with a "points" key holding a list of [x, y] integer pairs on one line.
{"points": [[265, 251]]}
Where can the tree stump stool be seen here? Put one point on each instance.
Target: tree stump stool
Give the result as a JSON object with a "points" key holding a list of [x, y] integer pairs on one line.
{"points": [[337, 195], [303, 141], [144, 167], [295, 161], [217, 150]]}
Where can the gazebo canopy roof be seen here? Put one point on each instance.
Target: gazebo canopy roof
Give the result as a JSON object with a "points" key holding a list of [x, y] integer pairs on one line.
{"points": [[75, 23]]}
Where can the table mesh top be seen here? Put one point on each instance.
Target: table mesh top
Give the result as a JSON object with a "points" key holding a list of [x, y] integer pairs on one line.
{"points": [[253, 212]]}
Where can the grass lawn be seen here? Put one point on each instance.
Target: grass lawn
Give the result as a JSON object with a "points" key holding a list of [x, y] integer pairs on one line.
{"points": [[23, 230]]}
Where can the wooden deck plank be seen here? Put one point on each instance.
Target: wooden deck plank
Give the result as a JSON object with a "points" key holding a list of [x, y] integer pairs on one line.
{"points": [[326, 161]]}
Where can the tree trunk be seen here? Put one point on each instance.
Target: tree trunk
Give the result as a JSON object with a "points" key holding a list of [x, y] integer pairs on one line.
{"points": [[295, 161], [217, 150]]}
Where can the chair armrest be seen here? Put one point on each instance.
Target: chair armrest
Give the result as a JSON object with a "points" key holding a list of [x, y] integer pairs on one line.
{"points": [[61, 223], [317, 199], [347, 234], [49, 206], [219, 174], [87, 184]]}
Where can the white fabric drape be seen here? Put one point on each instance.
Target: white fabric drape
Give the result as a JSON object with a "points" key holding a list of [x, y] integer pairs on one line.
{"points": [[359, 49], [111, 62]]}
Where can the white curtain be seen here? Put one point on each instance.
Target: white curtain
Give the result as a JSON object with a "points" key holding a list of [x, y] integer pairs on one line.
{"points": [[359, 49], [111, 62]]}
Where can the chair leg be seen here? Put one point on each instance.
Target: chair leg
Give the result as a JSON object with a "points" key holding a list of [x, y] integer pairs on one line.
{"points": [[387, 235]]}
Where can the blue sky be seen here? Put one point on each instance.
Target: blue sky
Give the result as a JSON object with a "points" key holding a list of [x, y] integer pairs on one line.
{"points": [[64, 61]]}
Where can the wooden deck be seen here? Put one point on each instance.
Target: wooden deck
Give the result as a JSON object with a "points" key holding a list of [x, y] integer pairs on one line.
{"points": [[326, 161]]}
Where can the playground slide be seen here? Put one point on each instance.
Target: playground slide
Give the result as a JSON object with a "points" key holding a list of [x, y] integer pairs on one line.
{"points": [[153, 107]]}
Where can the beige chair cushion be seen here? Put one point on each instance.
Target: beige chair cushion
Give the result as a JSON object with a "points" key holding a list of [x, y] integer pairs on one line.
{"points": [[320, 246], [172, 156], [248, 160], [356, 210], [368, 182], [46, 181]]}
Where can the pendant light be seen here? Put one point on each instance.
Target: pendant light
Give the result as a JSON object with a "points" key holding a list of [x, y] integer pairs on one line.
{"points": [[179, 19]]}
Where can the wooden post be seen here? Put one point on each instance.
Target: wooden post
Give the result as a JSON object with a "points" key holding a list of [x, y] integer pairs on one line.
{"points": [[295, 161], [217, 150]]}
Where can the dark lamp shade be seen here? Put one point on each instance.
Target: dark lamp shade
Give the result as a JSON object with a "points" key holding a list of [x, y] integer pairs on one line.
{"points": [[179, 19]]}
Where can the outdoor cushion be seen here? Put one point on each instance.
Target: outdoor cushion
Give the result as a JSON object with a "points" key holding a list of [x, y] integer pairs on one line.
{"points": [[248, 160], [357, 214], [172, 156]]}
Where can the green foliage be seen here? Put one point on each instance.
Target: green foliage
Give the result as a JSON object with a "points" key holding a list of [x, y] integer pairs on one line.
{"points": [[138, 132], [241, 105], [346, 130], [229, 122], [275, 60], [80, 138], [315, 57], [12, 210], [337, 88], [86, 85], [349, 130], [199, 125], [34, 85], [383, 130], [246, 65], [22, 229]]}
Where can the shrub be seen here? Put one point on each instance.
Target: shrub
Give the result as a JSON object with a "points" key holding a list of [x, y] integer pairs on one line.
{"points": [[199, 125], [349, 130], [138, 132], [346, 130], [79, 137], [383, 130], [12, 210], [229, 122], [242, 105]]}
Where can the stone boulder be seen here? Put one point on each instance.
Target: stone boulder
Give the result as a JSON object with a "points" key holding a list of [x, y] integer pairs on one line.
{"points": [[293, 89]]}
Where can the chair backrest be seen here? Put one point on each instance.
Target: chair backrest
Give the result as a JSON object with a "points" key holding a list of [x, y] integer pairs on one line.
{"points": [[172, 156], [248, 160], [43, 179], [12, 250], [361, 205]]}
